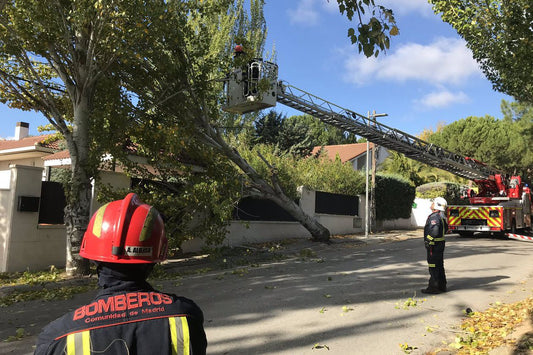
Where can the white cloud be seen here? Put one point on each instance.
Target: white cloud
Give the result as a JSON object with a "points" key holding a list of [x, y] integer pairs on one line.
{"points": [[331, 6], [445, 61], [422, 7], [304, 14], [443, 98], [307, 12]]}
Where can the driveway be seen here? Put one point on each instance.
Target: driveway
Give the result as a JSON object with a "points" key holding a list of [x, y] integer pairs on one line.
{"points": [[354, 296]]}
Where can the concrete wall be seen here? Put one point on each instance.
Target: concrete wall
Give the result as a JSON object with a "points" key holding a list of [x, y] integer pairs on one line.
{"points": [[420, 212], [244, 232], [26, 245]]}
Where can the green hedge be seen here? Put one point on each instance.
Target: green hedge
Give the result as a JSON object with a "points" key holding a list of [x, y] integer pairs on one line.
{"points": [[451, 191], [394, 197]]}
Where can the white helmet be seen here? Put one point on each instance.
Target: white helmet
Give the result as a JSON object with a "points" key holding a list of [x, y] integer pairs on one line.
{"points": [[440, 204]]}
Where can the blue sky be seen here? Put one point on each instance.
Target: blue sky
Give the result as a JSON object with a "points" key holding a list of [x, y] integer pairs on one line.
{"points": [[427, 77]]}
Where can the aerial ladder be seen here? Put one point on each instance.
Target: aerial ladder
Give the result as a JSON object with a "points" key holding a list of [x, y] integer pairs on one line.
{"points": [[502, 205]]}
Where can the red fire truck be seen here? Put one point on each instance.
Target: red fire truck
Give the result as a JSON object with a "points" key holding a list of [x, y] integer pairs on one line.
{"points": [[502, 205]]}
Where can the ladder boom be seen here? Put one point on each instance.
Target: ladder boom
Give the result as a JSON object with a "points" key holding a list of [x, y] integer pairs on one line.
{"points": [[255, 87], [381, 134]]}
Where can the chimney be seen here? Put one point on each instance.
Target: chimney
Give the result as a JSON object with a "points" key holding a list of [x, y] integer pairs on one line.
{"points": [[22, 130]]}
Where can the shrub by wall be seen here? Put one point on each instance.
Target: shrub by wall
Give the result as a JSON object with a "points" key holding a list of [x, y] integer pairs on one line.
{"points": [[394, 197], [451, 191]]}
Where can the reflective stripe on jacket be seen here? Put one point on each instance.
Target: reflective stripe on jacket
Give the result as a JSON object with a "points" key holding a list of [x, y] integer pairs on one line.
{"points": [[435, 228], [129, 322], [80, 343]]}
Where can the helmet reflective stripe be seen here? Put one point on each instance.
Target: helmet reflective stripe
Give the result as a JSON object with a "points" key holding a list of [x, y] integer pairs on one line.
{"points": [[125, 231], [148, 225], [179, 335], [98, 220], [79, 343]]}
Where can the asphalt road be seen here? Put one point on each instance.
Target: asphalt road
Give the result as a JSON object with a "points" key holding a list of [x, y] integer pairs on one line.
{"points": [[345, 298]]}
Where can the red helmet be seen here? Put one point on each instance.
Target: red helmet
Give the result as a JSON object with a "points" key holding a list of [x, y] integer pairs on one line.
{"points": [[125, 231]]}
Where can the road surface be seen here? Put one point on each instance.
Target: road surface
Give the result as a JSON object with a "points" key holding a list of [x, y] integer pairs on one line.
{"points": [[349, 297]]}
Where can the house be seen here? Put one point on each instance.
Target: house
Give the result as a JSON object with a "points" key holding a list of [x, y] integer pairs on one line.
{"points": [[32, 232], [26, 150], [355, 154], [31, 239]]}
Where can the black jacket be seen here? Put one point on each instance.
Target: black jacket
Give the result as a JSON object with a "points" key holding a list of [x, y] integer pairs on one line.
{"points": [[435, 228], [128, 317]]}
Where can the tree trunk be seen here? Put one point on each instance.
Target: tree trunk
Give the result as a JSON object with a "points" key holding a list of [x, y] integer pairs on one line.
{"points": [[77, 212], [318, 232], [76, 221], [272, 191]]}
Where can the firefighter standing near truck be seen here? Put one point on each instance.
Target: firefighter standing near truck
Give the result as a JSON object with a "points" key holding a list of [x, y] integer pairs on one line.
{"points": [[125, 239], [434, 231]]}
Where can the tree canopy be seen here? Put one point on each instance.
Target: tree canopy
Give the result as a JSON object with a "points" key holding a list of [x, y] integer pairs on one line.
{"points": [[297, 134], [99, 72], [500, 36], [502, 143]]}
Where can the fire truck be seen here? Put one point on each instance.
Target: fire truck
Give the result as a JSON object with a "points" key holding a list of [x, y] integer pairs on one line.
{"points": [[502, 203]]}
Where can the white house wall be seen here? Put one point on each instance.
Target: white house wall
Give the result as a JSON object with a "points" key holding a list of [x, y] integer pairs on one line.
{"points": [[26, 246]]}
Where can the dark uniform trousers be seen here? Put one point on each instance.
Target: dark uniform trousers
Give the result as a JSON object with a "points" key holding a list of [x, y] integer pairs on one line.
{"points": [[434, 231], [132, 322]]}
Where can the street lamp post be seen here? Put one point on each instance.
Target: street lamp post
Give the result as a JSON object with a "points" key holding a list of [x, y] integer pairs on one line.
{"points": [[372, 116]]}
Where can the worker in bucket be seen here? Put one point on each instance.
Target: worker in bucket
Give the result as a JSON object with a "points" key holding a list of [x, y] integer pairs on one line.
{"points": [[434, 231], [125, 239]]}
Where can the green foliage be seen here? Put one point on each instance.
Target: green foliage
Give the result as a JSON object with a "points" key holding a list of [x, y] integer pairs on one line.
{"points": [[322, 174], [409, 303], [376, 25], [61, 293], [451, 192], [177, 119], [504, 144], [416, 172], [194, 203], [297, 134], [31, 278], [20, 333], [394, 197], [499, 35], [320, 133], [318, 173]]}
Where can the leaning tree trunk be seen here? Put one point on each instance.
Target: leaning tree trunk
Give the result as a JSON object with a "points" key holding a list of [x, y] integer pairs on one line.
{"points": [[262, 189], [318, 232]]}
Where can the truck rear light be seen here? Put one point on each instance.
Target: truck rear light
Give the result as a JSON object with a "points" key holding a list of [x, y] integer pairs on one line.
{"points": [[494, 213], [495, 228]]}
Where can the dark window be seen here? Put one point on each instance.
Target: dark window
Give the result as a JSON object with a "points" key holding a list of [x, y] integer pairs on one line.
{"points": [[52, 207], [330, 203], [253, 209]]}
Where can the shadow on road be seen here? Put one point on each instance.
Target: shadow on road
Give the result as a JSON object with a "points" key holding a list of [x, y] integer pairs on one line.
{"points": [[246, 307]]}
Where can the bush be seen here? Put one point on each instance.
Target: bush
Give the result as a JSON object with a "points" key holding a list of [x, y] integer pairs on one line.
{"points": [[394, 197], [451, 191]]}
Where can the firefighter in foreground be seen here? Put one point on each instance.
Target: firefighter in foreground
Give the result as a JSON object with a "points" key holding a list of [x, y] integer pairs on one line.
{"points": [[434, 231], [125, 239]]}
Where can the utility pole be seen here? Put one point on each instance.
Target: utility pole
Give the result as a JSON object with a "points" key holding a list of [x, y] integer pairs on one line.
{"points": [[372, 210]]}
